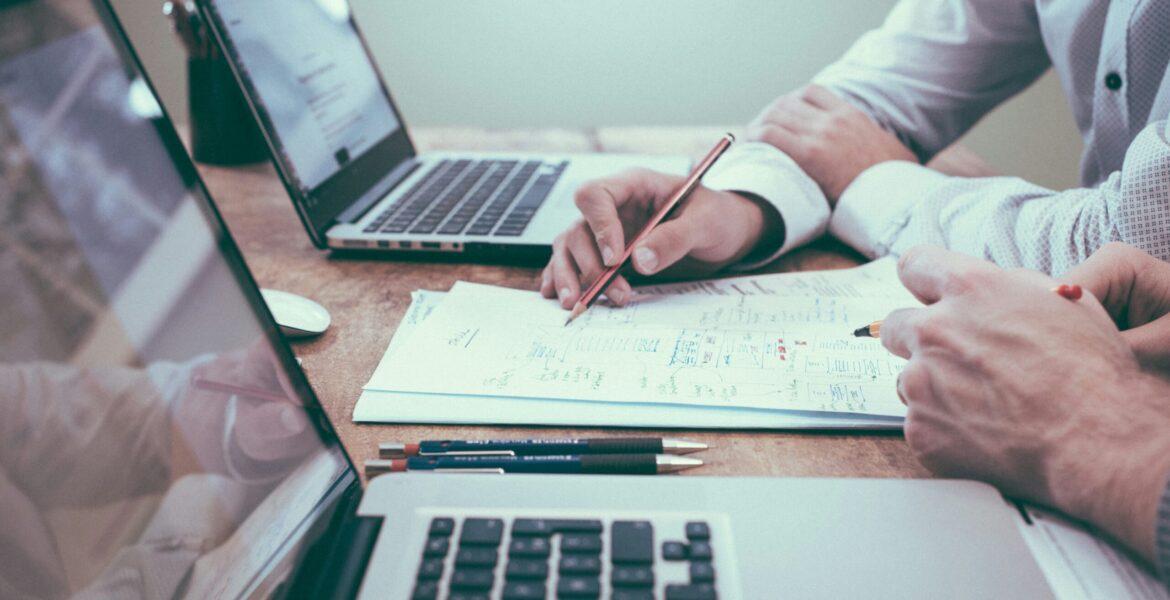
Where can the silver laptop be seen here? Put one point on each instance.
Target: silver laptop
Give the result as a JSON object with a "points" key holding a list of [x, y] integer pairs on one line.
{"points": [[347, 160], [159, 440]]}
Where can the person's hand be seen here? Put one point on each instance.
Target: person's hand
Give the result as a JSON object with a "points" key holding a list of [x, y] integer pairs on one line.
{"points": [[1135, 288], [1010, 383], [239, 434], [829, 139], [710, 230]]}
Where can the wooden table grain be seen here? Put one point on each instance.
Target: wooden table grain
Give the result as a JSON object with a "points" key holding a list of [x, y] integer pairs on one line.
{"points": [[367, 298]]}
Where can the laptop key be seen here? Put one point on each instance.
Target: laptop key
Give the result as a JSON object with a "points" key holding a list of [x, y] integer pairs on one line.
{"points": [[698, 530], [550, 526], [632, 542], [700, 551], [578, 587], [476, 557], [640, 577], [674, 551], [702, 572], [632, 594], [579, 564], [481, 532], [529, 547], [523, 590], [577, 543], [700, 591], [431, 568], [472, 579], [468, 596], [520, 568], [535, 195], [453, 227], [442, 526], [436, 547], [426, 590]]}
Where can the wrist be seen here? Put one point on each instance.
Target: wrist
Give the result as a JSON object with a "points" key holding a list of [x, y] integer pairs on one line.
{"points": [[1116, 474], [766, 233]]}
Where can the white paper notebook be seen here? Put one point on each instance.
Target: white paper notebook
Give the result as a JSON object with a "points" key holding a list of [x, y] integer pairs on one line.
{"points": [[767, 351]]}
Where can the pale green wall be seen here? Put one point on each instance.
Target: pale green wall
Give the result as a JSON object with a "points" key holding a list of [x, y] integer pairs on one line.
{"points": [[580, 63]]}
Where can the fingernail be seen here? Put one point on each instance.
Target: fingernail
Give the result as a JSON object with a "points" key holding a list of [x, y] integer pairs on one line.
{"points": [[564, 293], [618, 295], [647, 258], [607, 255]]}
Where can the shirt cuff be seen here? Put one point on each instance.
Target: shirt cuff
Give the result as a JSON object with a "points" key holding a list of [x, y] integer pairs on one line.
{"points": [[762, 170], [876, 206], [1162, 537]]}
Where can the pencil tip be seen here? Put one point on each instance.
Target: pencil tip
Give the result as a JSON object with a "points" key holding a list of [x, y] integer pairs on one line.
{"points": [[861, 331], [577, 310]]}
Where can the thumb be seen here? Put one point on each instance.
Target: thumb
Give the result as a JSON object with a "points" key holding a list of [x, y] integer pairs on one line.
{"points": [[667, 244]]}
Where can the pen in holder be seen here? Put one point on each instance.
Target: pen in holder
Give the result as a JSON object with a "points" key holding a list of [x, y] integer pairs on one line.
{"points": [[223, 131]]}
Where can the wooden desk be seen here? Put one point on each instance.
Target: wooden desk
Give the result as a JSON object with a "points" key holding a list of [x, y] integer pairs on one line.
{"points": [[367, 298]]}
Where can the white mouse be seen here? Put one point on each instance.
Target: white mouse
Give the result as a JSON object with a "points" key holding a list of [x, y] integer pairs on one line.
{"points": [[297, 316]]}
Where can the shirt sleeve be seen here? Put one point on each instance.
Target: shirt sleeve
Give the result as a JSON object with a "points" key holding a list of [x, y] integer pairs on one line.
{"points": [[762, 170], [1162, 538], [935, 67], [100, 434], [893, 206]]}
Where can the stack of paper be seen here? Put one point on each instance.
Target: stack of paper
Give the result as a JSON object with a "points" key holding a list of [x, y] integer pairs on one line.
{"points": [[771, 351]]}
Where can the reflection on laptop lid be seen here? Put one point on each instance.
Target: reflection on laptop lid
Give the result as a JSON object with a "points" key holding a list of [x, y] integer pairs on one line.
{"points": [[156, 436]]}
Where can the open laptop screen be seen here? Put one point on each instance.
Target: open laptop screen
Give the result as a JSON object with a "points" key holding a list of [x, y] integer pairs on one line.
{"points": [[311, 73], [156, 439], [329, 121]]}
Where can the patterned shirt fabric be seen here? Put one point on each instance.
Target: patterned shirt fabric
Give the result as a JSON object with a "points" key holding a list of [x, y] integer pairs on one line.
{"points": [[936, 67], [1162, 537]]}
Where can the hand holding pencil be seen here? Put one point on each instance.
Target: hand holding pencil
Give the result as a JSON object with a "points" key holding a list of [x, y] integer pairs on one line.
{"points": [[680, 194], [708, 231]]}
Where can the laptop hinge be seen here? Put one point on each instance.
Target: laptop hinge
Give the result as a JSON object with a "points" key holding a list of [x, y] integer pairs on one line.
{"points": [[335, 566], [358, 209]]}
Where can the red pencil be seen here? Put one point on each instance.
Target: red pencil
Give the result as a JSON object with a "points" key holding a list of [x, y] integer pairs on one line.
{"points": [[692, 181]]}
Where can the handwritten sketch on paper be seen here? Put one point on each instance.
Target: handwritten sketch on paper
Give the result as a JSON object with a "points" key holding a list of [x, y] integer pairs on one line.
{"points": [[776, 342]]}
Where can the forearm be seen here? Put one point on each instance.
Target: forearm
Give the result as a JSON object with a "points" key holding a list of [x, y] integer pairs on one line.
{"points": [[894, 206], [1131, 505], [1111, 468], [935, 67]]}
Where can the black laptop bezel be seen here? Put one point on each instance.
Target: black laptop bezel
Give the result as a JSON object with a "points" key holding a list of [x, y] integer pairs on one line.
{"points": [[347, 485], [320, 207]]}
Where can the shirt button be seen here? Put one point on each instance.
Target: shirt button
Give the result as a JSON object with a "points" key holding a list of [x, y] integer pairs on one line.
{"points": [[1113, 81]]}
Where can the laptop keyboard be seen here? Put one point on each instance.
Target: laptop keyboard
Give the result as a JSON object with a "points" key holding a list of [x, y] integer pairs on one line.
{"points": [[485, 197], [482, 558]]}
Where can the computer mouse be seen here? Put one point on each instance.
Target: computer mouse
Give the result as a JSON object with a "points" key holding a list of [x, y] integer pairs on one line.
{"points": [[297, 316]]}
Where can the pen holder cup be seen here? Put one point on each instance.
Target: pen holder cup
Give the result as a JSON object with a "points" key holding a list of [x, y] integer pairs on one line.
{"points": [[223, 130]]}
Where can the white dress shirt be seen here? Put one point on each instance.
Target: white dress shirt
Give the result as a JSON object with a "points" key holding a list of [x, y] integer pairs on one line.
{"points": [[932, 70]]}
